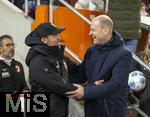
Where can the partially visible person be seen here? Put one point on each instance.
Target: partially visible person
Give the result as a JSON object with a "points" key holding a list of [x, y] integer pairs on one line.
{"points": [[145, 95], [12, 78], [45, 2], [126, 17], [31, 8], [143, 9], [57, 2], [18, 3], [21, 5], [146, 1], [147, 5], [82, 4], [48, 68], [105, 70], [94, 5], [72, 2]]}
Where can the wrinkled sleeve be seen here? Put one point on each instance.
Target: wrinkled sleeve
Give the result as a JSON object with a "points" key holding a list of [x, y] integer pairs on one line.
{"points": [[76, 72], [48, 78], [118, 80]]}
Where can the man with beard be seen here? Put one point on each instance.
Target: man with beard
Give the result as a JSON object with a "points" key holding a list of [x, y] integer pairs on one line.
{"points": [[12, 79]]}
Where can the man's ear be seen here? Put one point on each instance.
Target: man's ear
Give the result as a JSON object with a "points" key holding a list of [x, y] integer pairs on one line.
{"points": [[44, 40], [106, 29]]}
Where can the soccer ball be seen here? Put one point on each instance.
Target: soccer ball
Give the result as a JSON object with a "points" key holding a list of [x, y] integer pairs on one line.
{"points": [[136, 81]]}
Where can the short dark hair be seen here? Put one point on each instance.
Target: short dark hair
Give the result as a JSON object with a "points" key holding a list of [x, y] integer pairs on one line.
{"points": [[4, 37]]}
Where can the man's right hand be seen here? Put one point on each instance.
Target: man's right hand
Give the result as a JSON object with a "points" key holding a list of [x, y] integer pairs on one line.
{"points": [[99, 82]]}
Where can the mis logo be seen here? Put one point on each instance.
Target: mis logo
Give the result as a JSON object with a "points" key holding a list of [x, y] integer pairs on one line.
{"points": [[27, 103]]}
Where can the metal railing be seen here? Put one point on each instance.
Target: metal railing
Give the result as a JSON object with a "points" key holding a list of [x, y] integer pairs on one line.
{"points": [[73, 55], [51, 11], [88, 22], [137, 59], [135, 106], [26, 8], [140, 62], [75, 11], [137, 109]]}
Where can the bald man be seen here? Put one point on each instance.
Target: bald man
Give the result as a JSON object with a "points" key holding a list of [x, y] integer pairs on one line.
{"points": [[105, 68]]}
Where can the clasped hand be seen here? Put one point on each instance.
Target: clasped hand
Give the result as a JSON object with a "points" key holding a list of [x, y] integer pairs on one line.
{"points": [[79, 92]]}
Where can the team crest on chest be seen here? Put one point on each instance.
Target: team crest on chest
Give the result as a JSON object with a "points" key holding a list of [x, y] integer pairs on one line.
{"points": [[17, 68]]}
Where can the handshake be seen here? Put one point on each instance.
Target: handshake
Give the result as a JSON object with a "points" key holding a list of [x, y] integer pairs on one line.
{"points": [[79, 92]]}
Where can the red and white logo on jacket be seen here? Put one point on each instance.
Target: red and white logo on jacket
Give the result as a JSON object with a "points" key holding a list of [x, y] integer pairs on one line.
{"points": [[17, 68]]}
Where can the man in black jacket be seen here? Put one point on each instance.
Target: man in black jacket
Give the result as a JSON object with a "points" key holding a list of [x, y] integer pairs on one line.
{"points": [[47, 67], [12, 79]]}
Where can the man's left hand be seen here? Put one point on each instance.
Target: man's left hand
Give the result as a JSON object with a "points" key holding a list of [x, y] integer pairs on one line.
{"points": [[78, 93]]}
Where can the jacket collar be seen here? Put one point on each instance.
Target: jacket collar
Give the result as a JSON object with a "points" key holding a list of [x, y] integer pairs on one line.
{"points": [[51, 51], [8, 62], [116, 41], [56, 51]]}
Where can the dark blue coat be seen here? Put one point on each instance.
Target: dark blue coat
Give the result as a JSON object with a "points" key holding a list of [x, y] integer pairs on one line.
{"points": [[111, 63]]}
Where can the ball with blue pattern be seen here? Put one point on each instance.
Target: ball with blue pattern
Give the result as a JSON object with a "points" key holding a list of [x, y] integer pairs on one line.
{"points": [[137, 81]]}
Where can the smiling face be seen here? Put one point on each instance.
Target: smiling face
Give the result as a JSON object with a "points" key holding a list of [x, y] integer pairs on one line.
{"points": [[101, 33], [97, 32], [51, 40]]}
